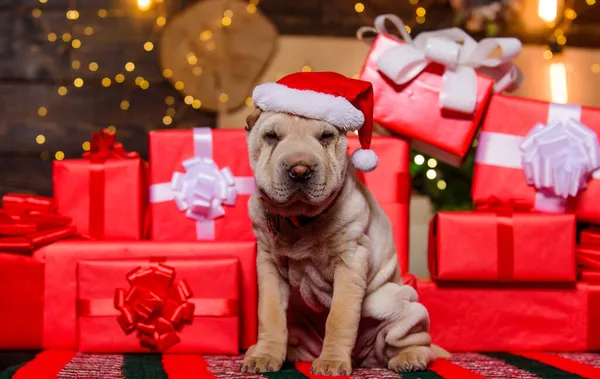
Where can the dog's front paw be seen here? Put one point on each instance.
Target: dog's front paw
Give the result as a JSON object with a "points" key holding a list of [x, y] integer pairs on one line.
{"points": [[415, 358], [261, 363], [323, 366]]}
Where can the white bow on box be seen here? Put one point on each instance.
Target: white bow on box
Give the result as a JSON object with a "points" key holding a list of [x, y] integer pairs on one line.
{"points": [[203, 189], [560, 156], [458, 52]]}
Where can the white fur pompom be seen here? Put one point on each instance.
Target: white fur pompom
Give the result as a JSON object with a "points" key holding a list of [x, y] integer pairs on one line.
{"points": [[364, 160]]}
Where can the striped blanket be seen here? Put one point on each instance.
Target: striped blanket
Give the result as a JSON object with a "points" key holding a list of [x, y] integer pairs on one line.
{"points": [[71, 365]]}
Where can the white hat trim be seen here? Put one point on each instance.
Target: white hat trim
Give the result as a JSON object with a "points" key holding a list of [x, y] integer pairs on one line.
{"points": [[336, 110]]}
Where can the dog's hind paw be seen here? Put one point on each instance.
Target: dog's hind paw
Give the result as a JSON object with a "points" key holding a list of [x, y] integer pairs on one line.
{"points": [[414, 358]]}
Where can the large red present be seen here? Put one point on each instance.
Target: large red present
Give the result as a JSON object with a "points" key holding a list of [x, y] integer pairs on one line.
{"points": [[61, 261], [200, 185], [175, 306], [105, 193], [502, 245], [21, 302], [540, 153], [28, 222], [559, 318], [390, 185], [427, 90]]}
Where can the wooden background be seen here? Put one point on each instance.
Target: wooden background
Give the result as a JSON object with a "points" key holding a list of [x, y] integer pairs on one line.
{"points": [[32, 69]]}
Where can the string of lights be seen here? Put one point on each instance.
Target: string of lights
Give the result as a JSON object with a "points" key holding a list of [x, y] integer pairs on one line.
{"points": [[173, 107]]}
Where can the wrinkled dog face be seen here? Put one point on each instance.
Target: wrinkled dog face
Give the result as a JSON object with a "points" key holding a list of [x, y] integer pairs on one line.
{"points": [[296, 161]]}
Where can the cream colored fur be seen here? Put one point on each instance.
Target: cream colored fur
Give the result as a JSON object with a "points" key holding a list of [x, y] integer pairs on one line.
{"points": [[342, 264]]}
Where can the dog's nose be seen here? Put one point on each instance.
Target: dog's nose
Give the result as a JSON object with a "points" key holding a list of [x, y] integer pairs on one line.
{"points": [[300, 173]]}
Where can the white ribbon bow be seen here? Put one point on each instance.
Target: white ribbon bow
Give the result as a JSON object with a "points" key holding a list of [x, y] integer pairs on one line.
{"points": [[560, 156], [458, 52], [203, 189]]}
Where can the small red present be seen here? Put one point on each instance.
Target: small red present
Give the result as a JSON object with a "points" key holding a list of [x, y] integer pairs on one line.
{"points": [[427, 89], [21, 302], [390, 185], [550, 318], [590, 236], [104, 193], [61, 260], [200, 185], [540, 153], [502, 244], [175, 305], [28, 222]]}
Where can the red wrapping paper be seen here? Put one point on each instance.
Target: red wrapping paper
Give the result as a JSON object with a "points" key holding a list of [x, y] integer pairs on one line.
{"points": [[390, 185], [213, 328], [590, 236], [28, 222], [489, 246], [561, 319], [590, 276], [413, 111], [168, 149], [21, 302], [105, 193], [61, 261], [37, 203], [514, 117]]}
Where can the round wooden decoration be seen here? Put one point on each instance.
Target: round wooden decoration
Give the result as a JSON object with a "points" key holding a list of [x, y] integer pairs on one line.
{"points": [[216, 50]]}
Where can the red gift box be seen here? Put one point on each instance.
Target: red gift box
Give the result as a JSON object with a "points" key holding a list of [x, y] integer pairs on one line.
{"points": [[498, 163], [390, 185], [172, 306], [28, 222], [21, 302], [104, 193], [61, 280], [413, 109], [200, 185], [590, 236], [560, 319], [502, 245]]}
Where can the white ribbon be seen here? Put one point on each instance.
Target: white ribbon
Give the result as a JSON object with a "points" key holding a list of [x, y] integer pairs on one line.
{"points": [[458, 52], [203, 189], [560, 156], [553, 159]]}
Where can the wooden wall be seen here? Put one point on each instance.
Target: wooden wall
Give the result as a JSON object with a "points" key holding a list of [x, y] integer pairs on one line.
{"points": [[32, 69]]}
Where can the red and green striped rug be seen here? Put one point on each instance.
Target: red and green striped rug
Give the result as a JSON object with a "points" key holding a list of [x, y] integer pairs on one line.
{"points": [[63, 364]]}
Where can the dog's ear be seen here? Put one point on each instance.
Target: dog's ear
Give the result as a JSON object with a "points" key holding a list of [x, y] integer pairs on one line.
{"points": [[252, 118]]}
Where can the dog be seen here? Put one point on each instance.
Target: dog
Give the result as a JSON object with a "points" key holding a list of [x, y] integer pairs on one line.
{"points": [[329, 284]]}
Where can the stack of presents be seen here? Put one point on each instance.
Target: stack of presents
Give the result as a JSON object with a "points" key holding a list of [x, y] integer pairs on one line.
{"points": [[130, 256]]}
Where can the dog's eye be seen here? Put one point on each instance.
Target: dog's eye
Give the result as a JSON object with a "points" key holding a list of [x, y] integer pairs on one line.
{"points": [[271, 137], [326, 137]]}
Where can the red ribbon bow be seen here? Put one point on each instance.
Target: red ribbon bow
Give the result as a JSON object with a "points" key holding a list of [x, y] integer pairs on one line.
{"points": [[156, 306], [104, 145], [29, 221]]}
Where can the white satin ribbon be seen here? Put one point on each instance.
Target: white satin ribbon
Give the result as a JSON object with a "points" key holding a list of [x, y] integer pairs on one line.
{"points": [[558, 159], [560, 156], [203, 189], [458, 52]]}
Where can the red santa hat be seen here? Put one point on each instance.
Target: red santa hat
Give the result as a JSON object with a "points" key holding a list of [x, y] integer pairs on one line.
{"points": [[327, 96]]}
